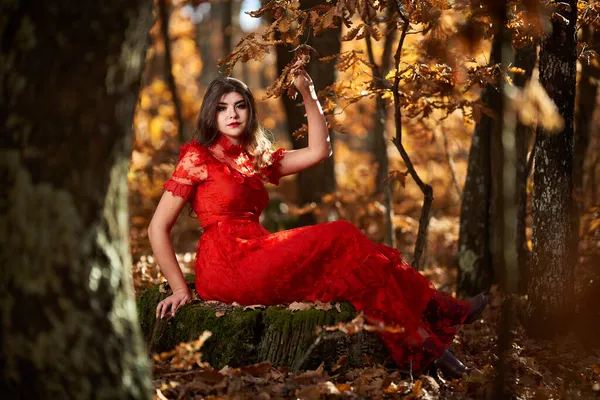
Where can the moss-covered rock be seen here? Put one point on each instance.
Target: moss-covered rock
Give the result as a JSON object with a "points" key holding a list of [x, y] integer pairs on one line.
{"points": [[246, 336]]}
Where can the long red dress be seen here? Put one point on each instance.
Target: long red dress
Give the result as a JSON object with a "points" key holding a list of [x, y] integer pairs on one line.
{"points": [[240, 261]]}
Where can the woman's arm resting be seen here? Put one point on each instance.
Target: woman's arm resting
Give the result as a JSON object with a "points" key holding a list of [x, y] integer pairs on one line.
{"points": [[159, 233]]}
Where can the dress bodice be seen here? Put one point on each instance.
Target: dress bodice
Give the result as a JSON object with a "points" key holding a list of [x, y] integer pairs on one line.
{"points": [[221, 182]]}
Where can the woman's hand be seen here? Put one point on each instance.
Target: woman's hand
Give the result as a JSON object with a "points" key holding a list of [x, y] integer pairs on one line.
{"points": [[179, 298], [303, 82]]}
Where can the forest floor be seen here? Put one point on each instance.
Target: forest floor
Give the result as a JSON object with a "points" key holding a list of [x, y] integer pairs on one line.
{"points": [[566, 367], [562, 368]]}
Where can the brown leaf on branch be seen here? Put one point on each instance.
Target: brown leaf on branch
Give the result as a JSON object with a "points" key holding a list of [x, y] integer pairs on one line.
{"points": [[398, 176]]}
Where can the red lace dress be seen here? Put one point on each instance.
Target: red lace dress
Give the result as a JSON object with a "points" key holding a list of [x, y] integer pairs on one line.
{"points": [[240, 261]]}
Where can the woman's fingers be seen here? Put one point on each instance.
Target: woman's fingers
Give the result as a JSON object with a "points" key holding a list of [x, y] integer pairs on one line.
{"points": [[170, 305]]}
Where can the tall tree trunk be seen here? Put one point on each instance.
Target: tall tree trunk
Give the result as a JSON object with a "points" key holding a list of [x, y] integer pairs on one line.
{"points": [[165, 16], [208, 34], [227, 25], [70, 80], [550, 290], [377, 140], [475, 272], [525, 59], [586, 104], [319, 180]]}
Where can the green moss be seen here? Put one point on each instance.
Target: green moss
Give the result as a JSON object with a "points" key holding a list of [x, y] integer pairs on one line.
{"points": [[146, 306], [244, 337]]}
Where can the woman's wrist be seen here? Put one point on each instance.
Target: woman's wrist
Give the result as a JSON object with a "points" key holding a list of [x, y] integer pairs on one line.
{"points": [[309, 94], [180, 289]]}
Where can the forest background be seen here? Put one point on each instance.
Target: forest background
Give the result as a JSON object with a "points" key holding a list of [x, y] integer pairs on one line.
{"points": [[412, 93]]}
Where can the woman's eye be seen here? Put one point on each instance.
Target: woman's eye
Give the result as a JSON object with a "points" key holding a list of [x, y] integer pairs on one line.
{"points": [[221, 108], [242, 106]]}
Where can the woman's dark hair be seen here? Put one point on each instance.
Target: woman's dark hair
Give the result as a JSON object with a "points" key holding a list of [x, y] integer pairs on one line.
{"points": [[255, 139]]}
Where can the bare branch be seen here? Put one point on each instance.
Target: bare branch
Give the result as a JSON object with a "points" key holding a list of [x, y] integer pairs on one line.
{"points": [[426, 189]]}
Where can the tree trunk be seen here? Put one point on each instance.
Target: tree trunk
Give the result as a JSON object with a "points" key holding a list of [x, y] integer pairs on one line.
{"points": [[586, 104], [70, 79], [226, 25], [378, 139], [550, 290], [319, 180], [245, 336], [475, 272], [525, 59], [208, 33]]}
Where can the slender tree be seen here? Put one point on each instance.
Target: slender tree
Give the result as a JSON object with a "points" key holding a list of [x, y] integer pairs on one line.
{"points": [[70, 78], [525, 60], [377, 140], [584, 123], [474, 254], [550, 287]]}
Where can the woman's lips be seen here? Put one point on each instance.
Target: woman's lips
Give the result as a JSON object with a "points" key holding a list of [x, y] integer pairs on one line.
{"points": [[234, 124]]}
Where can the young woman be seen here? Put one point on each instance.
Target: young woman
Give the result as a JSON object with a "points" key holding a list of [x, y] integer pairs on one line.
{"points": [[222, 173]]}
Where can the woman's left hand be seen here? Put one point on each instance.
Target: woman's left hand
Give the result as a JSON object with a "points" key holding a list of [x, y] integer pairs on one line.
{"points": [[303, 82]]}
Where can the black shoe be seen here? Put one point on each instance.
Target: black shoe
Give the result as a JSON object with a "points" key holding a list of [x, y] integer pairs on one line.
{"points": [[450, 366], [478, 304]]}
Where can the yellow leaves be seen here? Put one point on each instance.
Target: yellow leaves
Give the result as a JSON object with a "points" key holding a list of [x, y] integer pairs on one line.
{"points": [[185, 355], [158, 87], [361, 31], [145, 101], [534, 106], [594, 226], [156, 127]]}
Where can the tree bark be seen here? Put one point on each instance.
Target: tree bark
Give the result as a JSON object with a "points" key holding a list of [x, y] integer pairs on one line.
{"points": [[319, 180], [207, 37], [476, 273], [584, 123], [378, 140], [164, 16], [525, 59], [246, 336], [70, 77], [550, 290]]}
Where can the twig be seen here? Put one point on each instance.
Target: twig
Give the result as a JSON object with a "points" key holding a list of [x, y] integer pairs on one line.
{"points": [[164, 23], [426, 189]]}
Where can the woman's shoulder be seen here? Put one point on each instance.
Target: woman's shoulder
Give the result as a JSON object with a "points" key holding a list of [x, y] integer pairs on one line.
{"points": [[195, 150]]}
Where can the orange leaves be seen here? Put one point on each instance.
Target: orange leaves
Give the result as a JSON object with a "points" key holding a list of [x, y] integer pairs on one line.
{"points": [[397, 176], [185, 355], [251, 47], [362, 323], [361, 31]]}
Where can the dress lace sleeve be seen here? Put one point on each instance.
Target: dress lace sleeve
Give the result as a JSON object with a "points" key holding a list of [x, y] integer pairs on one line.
{"points": [[189, 172], [272, 171]]}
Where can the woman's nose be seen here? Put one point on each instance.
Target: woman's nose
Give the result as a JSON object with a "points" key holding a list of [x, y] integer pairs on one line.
{"points": [[233, 112]]}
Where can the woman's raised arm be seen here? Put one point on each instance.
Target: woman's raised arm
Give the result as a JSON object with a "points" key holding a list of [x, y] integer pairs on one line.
{"points": [[159, 233], [319, 145]]}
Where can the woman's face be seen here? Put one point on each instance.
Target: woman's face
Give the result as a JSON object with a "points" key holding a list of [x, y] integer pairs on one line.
{"points": [[232, 116]]}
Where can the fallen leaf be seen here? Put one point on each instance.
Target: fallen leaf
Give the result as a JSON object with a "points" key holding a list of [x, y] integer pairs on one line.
{"points": [[297, 306]]}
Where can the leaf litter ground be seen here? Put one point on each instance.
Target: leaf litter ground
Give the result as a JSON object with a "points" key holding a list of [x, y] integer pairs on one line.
{"points": [[557, 369]]}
